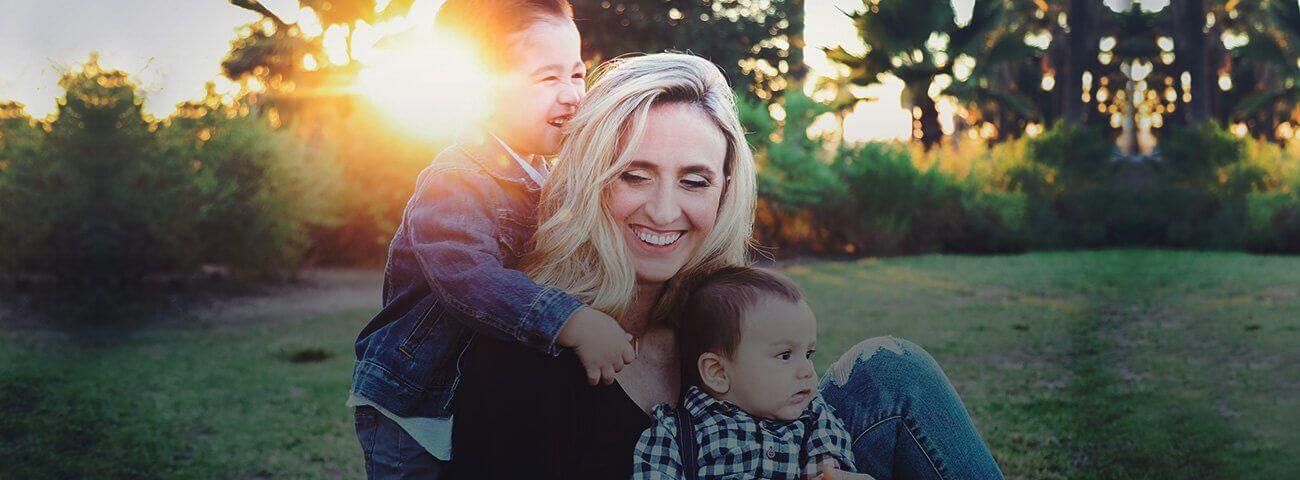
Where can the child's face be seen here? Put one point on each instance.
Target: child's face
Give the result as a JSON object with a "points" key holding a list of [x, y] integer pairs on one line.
{"points": [[541, 88], [771, 373]]}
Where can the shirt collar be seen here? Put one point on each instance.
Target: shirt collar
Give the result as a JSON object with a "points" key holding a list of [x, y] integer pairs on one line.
{"points": [[702, 405], [480, 146]]}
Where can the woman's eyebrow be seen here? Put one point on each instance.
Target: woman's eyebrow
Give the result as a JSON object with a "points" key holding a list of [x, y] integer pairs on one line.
{"points": [[699, 169]]}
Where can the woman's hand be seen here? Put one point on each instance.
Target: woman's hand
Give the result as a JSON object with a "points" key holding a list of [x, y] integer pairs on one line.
{"points": [[601, 345]]}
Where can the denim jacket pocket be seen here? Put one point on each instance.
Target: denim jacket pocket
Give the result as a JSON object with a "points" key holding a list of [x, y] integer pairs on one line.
{"points": [[424, 324], [514, 234]]}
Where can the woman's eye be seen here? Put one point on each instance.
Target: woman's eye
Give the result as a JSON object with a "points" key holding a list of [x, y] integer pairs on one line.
{"points": [[695, 182], [579, 75], [550, 79], [783, 355], [634, 178]]}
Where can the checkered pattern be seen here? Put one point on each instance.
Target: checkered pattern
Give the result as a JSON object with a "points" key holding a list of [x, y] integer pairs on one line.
{"points": [[734, 444]]}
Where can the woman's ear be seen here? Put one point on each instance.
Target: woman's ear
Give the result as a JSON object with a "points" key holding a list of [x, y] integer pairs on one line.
{"points": [[713, 372]]}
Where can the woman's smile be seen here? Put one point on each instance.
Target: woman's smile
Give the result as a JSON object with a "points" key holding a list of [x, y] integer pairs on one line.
{"points": [[657, 239]]}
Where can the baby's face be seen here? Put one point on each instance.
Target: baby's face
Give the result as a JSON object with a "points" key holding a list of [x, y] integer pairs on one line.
{"points": [[771, 373]]}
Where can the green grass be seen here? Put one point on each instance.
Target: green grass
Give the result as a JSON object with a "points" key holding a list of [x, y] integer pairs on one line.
{"points": [[1112, 364]]}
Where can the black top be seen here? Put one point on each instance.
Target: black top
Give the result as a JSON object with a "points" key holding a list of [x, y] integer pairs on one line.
{"points": [[522, 414]]}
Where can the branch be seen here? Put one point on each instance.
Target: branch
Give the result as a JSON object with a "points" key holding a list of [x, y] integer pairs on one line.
{"points": [[256, 6]]}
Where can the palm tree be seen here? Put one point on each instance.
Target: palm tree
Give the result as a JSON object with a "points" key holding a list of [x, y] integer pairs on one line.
{"points": [[917, 41], [1268, 65]]}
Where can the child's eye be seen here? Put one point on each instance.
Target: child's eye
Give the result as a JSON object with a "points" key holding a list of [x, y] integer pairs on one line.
{"points": [[579, 75], [810, 354], [785, 355]]}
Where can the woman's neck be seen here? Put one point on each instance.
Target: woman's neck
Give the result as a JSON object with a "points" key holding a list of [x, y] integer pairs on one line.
{"points": [[638, 314]]}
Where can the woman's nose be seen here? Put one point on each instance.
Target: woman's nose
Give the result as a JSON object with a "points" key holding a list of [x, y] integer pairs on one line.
{"points": [[662, 207]]}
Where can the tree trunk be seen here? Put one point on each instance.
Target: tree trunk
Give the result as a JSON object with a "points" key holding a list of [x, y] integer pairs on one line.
{"points": [[1190, 45], [798, 70], [1078, 55], [931, 131]]}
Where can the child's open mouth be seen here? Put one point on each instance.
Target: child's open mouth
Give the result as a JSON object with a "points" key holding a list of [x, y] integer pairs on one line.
{"points": [[559, 121]]}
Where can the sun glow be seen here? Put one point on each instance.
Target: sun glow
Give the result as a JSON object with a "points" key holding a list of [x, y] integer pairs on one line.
{"points": [[425, 82]]}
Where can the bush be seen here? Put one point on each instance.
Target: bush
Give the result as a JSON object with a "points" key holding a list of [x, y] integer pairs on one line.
{"points": [[102, 195]]}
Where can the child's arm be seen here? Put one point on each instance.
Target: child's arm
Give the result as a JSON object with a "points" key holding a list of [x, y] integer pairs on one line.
{"points": [[828, 439], [454, 229], [657, 456]]}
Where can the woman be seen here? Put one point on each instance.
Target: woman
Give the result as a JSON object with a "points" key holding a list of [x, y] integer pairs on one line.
{"points": [[656, 183]]}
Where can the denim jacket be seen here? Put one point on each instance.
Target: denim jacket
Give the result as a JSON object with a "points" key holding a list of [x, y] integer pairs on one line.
{"points": [[449, 277]]}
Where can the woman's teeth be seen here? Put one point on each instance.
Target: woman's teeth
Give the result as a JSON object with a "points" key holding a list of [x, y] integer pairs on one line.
{"points": [[559, 122], [659, 240]]}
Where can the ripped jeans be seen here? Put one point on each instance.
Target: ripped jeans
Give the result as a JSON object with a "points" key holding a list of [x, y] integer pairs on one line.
{"points": [[903, 414]]}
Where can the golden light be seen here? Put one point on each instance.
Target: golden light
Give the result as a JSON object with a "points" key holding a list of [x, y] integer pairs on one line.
{"points": [[1033, 129], [1225, 81], [309, 23], [428, 84], [336, 44], [1285, 130], [1049, 81], [1165, 43], [309, 63], [1107, 44], [1239, 129]]}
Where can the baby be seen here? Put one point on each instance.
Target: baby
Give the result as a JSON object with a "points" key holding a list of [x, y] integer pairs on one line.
{"points": [[751, 408]]}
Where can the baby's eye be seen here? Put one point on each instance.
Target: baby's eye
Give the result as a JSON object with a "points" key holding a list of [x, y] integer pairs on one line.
{"points": [[785, 355], [810, 354]]}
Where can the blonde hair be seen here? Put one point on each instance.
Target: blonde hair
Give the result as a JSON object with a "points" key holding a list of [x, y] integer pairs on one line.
{"points": [[579, 246]]}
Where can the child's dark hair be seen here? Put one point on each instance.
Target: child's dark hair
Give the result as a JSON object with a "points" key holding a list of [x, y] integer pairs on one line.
{"points": [[710, 318], [487, 24]]}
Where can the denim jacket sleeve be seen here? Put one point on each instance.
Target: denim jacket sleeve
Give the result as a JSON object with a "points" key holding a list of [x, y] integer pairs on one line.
{"points": [[454, 225]]}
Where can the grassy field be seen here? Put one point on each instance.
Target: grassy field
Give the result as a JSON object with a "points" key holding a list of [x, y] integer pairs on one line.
{"points": [[1113, 364]]}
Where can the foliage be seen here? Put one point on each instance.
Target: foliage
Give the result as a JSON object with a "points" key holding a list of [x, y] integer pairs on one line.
{"points": [[258, 191], [918, 42], [1198, 155], [109, 196], [750, 41]]}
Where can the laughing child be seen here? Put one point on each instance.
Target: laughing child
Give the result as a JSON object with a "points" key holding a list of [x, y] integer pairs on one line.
{"points": [[449, 274]]}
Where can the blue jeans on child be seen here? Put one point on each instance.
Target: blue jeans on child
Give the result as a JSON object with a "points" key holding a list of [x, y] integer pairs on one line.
{"points": [[902, 412], [391, 453]]}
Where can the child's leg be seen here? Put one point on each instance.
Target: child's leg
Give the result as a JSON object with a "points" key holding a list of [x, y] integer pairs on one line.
{"points": [[905, 419], [391, 453]]}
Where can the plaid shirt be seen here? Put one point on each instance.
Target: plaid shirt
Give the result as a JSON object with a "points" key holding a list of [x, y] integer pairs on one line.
{"points": [[732, 444]]}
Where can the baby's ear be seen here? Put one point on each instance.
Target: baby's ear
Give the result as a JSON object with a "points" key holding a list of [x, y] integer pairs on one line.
{"points": [[713, 372]]}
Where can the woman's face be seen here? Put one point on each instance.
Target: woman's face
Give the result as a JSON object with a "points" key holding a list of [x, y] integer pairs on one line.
{"points": [[666, 200]]}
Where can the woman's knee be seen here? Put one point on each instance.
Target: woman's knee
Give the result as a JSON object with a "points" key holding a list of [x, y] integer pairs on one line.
{"points": [[894, 363]]}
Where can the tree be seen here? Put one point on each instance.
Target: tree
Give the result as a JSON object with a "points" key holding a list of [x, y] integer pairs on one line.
{"points": [[918, 42], [754, 42]]}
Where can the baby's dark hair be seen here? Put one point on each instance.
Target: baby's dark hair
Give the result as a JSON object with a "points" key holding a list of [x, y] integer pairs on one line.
{"points": [[710, 318], [487, 24]]}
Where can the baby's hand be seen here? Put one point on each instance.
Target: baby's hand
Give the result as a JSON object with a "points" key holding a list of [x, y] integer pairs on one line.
{"points": [[826, 467], [601, 345]]}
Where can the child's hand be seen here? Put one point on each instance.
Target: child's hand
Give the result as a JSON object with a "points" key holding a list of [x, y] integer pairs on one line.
{"points": [[829, 469], [602, 346]]}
